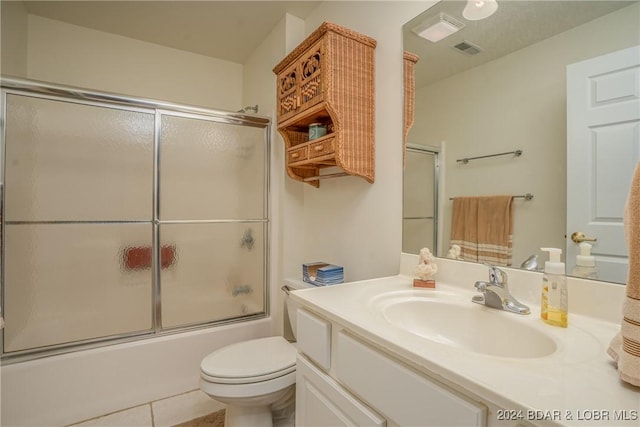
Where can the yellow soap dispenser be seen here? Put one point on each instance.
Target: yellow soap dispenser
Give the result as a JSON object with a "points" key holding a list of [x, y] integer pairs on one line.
{"points": [[555, 295]]}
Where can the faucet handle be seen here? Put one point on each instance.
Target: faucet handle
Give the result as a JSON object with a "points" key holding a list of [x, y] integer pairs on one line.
{"points": [[497, 276], [481, 286]]}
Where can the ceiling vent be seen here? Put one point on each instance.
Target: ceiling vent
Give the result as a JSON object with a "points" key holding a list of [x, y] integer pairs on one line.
{"points": [[467, 48]]}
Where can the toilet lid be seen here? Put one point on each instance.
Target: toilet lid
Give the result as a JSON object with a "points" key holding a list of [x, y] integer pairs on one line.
{"points": [[250, 361]]}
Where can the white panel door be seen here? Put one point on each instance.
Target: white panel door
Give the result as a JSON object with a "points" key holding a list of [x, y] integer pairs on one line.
{"points": [[603, 148]]}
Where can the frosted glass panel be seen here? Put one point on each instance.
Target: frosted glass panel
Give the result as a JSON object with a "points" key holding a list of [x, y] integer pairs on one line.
{"points": [[217, 273], [70, 162], [211, 170], [417, 234], [419, 184], [71, 282], [419, 201]]}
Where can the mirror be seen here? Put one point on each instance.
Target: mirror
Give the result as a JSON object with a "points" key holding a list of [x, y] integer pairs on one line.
{"points": [[511, 96]]}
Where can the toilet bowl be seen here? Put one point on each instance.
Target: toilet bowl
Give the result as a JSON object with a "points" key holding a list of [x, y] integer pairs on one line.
{"points": [[255, 379]]}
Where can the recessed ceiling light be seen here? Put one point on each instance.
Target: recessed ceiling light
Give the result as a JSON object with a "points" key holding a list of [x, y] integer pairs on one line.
{"points": [[479, 9]]}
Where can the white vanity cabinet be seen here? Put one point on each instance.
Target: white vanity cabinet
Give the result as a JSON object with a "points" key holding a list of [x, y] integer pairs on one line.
{"points": [[321, 401], [359, 385]]}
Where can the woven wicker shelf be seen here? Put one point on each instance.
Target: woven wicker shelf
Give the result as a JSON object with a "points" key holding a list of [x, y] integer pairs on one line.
{"points": [[409, 62], [329, 79]]}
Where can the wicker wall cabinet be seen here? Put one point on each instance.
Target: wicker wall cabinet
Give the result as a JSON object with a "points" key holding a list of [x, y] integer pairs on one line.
{"points": [[328, 79], [409, 61]]}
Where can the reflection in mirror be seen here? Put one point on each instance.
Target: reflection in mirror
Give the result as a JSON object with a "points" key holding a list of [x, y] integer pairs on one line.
{"points": [[420, 199], [512, 95]]}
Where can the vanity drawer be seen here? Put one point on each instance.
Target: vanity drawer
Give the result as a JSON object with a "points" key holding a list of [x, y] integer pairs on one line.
{"points": [[297, 154], [417, 401], [321, 148], [314, 338]]}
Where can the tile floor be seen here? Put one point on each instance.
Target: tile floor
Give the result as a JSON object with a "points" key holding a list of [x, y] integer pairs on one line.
{"points": [[161, 413]]}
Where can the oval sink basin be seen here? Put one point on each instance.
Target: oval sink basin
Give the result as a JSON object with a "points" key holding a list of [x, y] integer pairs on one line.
{"points": [[467, 326]]}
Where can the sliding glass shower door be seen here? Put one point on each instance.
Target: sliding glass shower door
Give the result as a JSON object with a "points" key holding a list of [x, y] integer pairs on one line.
{"points": [[78, 194], [125, 220], [214, 213], [420, 200]]}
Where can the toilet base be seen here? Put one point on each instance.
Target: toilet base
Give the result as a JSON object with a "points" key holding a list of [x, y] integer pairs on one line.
{"points": [[255, 416], [276, 408]]}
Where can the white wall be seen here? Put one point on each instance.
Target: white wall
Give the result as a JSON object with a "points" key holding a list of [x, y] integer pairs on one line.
{"points": [[13, 44], [259, 83], [516, 102], [348, 221], [76, 56], [13, 38]]}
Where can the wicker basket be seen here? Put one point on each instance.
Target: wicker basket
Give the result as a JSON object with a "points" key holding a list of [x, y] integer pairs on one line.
{"points": [[329, 78]]}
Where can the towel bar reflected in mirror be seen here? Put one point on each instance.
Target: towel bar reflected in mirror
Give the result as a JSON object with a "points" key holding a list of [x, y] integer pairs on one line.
{"points": [[527, 197]]}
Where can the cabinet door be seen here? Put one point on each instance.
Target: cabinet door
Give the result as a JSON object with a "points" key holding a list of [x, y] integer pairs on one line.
{"points": [[404, 396], [312, 76], [320, 401], [288, 92]]}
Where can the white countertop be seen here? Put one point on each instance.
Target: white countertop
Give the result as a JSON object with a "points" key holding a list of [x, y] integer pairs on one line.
{"points": [[578, 384]]}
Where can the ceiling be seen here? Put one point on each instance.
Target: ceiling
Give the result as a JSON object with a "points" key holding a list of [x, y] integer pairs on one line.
{"points": [[229, 30], [515, 25], [232, 30]]}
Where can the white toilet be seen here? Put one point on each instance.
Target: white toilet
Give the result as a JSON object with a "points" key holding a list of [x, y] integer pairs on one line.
{"points": [[255, 378]]}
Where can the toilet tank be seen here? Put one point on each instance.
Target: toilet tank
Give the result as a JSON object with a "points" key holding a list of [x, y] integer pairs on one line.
{"points": [[292, 306]]}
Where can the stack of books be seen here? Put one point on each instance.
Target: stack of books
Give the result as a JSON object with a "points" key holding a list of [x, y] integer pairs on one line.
{"points": [[322, 274]]}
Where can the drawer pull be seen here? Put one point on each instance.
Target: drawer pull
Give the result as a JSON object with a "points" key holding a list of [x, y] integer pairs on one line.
{"points": [[318, 147], [295, 155]]}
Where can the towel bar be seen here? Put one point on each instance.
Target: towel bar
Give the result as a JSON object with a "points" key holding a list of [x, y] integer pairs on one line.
{"points": [[527, 197], [466, 160], [329, 175]]}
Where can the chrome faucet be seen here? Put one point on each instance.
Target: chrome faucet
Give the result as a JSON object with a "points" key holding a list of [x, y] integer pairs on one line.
{"points": [[495, 293]]}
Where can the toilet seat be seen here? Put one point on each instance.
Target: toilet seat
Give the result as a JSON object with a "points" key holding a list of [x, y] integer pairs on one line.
{"points": [[250, 361]]}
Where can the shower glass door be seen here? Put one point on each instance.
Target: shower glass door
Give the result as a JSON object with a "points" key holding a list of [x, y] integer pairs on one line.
{"points": [[212, 211], [420, 197], [126, 219], [78, 195]]}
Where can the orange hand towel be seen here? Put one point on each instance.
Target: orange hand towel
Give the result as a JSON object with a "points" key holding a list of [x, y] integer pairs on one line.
{"points": [[625, 346], [483, 228]]}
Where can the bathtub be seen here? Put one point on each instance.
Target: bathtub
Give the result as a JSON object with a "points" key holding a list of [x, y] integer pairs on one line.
{"points": [[68, 388]]}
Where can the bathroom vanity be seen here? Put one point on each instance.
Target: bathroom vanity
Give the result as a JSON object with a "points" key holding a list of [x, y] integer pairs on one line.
{"points": [[380, 352]]}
